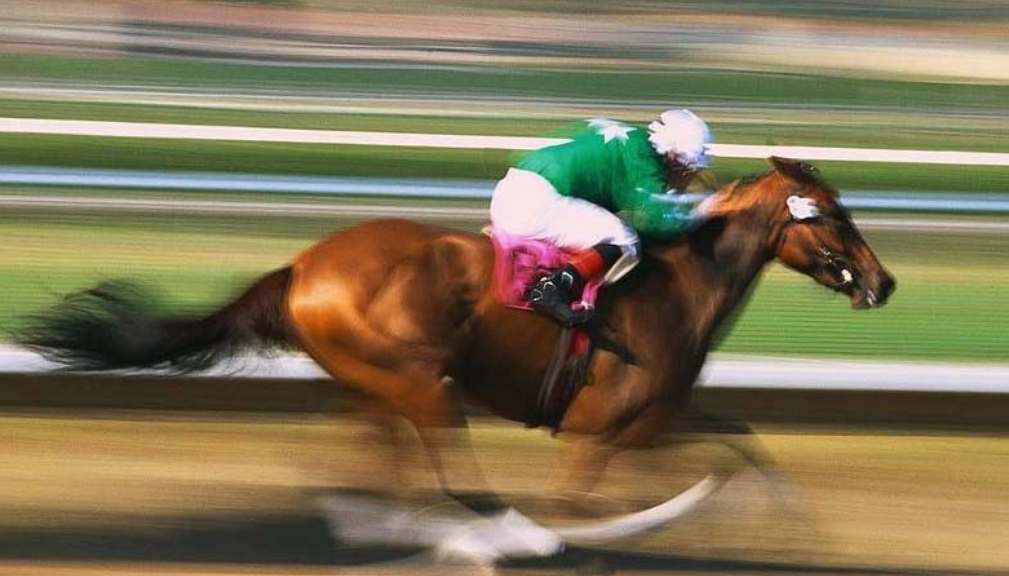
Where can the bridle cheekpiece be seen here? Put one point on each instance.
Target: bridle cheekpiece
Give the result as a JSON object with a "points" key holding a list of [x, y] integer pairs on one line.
{"points": [[801, 211]]}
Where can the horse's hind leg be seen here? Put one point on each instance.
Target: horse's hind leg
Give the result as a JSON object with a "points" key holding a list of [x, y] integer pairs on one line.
{"points": [[421, 396], [386, 332], [424, 398]]}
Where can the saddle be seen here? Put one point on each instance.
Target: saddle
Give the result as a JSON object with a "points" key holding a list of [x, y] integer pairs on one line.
{"points": [[518, 264]]}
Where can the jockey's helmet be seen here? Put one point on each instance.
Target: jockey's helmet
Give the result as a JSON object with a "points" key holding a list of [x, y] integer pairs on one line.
{"points": [[682, 134]]}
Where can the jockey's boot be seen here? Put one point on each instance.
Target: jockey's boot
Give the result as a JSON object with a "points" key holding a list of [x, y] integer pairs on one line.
{"points": [[552, 295]]}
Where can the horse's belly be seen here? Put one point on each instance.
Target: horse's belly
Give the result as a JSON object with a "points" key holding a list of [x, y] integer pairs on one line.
{"points": [[504, 359]]}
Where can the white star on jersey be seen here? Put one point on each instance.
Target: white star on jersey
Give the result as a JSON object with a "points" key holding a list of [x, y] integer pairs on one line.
{"points": [[610, 129]]}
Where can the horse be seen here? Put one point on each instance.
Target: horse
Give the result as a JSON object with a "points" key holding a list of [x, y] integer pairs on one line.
{"points": [[404, 313]]}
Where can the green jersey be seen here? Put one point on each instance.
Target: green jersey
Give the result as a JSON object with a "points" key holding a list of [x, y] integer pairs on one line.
{"points": [[613, 165]]}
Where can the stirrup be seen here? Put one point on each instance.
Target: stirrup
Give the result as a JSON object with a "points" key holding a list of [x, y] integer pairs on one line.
{"points": [[546, 297], [565, 316]]}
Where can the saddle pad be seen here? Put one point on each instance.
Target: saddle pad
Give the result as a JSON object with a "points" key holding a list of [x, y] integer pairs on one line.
{"points": [[519, 262]]}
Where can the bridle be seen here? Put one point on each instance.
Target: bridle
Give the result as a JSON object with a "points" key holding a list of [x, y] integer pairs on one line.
{"points": [[840, 266]]}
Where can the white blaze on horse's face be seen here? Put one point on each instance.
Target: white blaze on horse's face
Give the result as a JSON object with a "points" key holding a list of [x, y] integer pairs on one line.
{"points": [[802, 208]]}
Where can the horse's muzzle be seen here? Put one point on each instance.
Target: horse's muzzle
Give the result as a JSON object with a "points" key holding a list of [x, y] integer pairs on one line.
{"points": [[874, 291]]}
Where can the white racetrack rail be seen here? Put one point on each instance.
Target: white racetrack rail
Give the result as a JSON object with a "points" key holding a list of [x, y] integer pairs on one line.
{"points": [[721, 371], [462, 141]]}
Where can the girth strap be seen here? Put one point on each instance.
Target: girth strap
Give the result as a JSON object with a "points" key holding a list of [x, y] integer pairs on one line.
{"points": [[564, 376]]}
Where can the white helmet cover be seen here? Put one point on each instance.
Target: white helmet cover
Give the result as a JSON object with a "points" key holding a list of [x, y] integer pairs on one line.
{"points": [[684, 134]]}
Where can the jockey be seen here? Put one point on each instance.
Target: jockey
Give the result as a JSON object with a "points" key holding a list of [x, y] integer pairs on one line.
{"points": [[596, 193]]}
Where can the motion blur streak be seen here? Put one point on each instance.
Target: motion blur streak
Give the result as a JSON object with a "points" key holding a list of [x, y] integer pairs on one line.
{"points": [[193, 488], [194, 145]]}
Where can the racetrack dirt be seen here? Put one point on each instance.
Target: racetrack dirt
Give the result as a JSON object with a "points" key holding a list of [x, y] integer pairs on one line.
{"points": [[158, 492]]}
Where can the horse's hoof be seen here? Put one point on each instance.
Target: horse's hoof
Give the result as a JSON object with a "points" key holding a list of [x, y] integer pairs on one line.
{"points": [[526, 534], [467, 547], [508, 535]]}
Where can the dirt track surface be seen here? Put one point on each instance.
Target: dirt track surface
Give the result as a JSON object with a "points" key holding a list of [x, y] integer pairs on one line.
{"points": [[163, 493]]}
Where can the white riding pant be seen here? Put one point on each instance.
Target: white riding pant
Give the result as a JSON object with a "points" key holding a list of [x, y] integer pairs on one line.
{"points": [[526, 204]]}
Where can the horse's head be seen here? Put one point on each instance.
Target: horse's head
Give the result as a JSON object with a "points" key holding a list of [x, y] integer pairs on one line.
{"points": [[810, 232], [817, 237]]}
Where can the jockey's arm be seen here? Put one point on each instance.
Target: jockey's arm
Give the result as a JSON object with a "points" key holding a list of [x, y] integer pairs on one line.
{"points": [[642, 201], [661, 216]]}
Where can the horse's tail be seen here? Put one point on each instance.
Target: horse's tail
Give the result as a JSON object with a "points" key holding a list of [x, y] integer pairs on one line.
{"points": [[117, 325]]}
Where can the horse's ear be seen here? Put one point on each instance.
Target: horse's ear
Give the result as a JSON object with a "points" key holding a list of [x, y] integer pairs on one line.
{"points": [[798, 170]]}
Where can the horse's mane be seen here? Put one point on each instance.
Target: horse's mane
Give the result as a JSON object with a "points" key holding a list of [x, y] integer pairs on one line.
{"points": [[734, 199], [799, 171], [802, 172]]}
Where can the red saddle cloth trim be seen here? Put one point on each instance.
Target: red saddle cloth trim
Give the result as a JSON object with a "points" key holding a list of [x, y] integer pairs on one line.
{"points": [[519, 261], [589, 263]]}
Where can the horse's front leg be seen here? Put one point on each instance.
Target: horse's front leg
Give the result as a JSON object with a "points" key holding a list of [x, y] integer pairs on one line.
{"points": [[736, 435], [615, 412], [583, 462], [695, 425]]}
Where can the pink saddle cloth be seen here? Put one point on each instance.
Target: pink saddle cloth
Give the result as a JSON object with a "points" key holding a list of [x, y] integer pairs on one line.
{"points": [[519, 262]]}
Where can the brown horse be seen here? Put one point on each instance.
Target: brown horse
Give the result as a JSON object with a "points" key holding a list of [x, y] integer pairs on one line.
{"points": [[397, 309]]}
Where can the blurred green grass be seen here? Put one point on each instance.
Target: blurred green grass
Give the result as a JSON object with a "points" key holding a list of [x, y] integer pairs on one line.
{"points": [[951, 286], [678, 85], [807, 128], [948, 306]]}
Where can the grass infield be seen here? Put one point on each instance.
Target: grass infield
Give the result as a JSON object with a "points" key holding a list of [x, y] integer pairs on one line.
{"points": [[951, 287]]}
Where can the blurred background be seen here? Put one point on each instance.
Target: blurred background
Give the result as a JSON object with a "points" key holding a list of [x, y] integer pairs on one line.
{"points": [[132, 147]]}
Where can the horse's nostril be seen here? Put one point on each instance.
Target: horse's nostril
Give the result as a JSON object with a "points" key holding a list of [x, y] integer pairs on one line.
{"points": [[886, 287]]}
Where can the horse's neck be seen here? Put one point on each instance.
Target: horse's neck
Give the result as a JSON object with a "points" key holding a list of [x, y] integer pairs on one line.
{"points": [[718, 268]]}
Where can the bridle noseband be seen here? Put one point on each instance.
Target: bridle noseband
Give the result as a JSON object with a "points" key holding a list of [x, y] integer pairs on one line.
{"points": [[839, 265]]}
